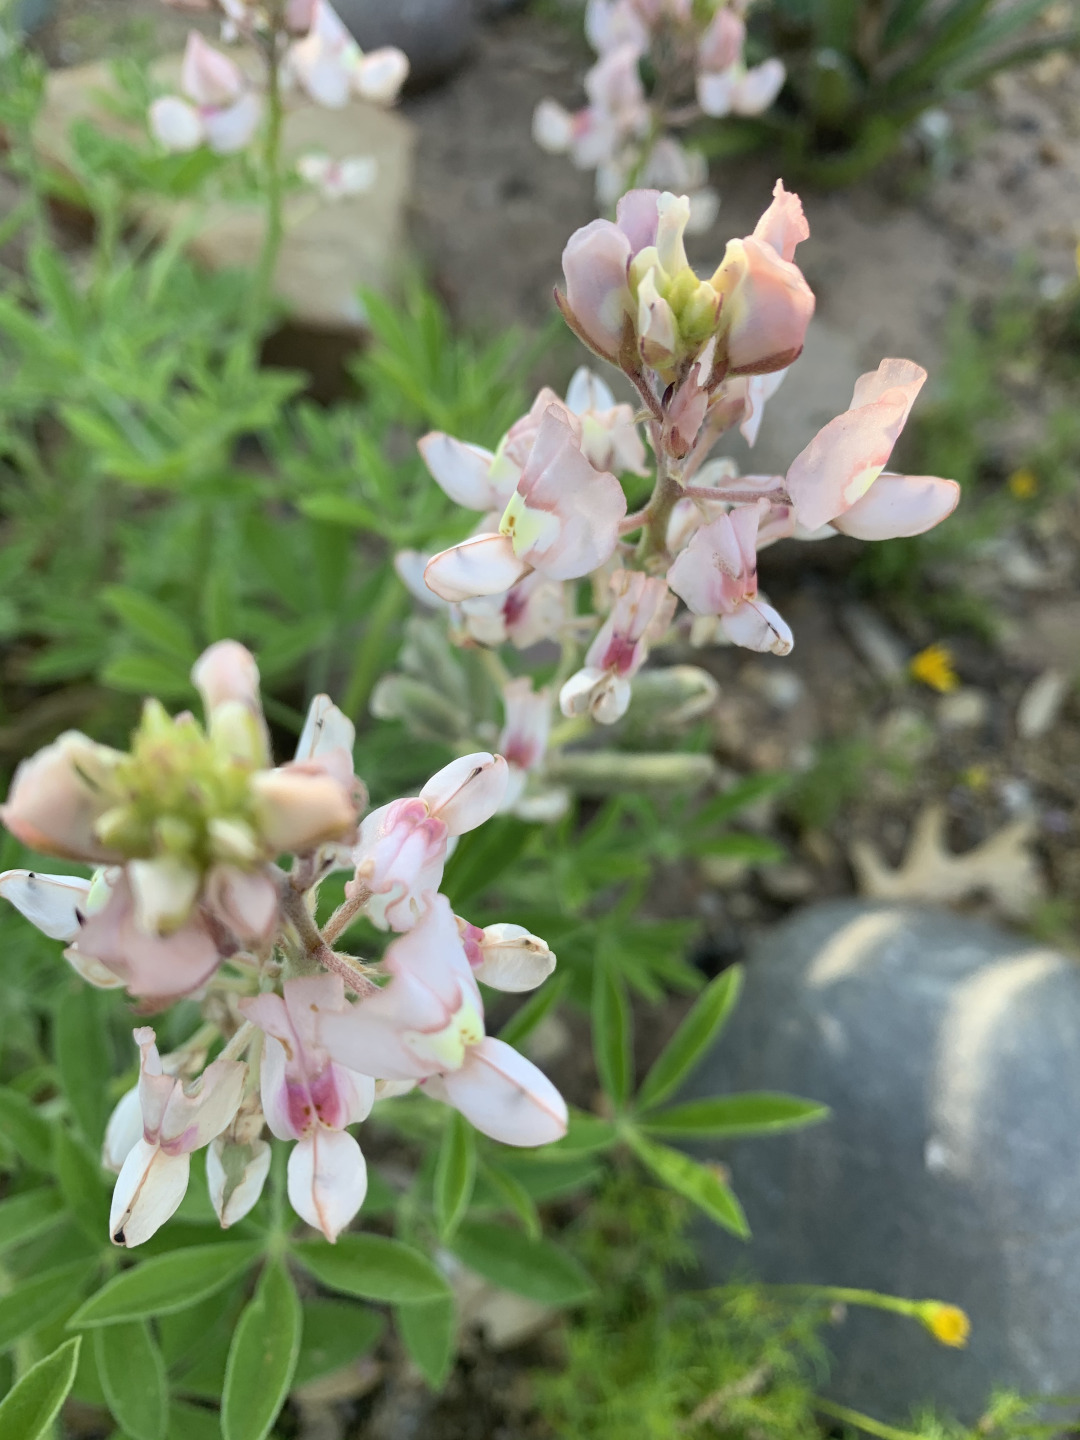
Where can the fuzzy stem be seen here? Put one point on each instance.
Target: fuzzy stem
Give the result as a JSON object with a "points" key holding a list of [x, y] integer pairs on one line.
{"points": [[667, 492], [315, 949], [345, 914]]}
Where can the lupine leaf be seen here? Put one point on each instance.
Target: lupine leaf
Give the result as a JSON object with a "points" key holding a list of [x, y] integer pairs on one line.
{"points": [[532, 1267], [262, 1357], [166, 1283], [132, 1376], [373, 1268], [28, 1410], [694, 1036]]}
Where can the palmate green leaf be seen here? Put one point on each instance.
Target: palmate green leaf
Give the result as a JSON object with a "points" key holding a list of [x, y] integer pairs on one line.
{"points": [[455, 1173], [28, 1410], [262, 1357], [132, 1375], [24, 1217], [732, 1116], [532, 1267], [26, 1130], [428, 1332], [758, 849], [41, 1299], [372, 1267], [585, 1133], [151, 622], [697, 1183], [611, 1036], [166, 1283], [515, 1197], [336, 509], [335, 1334], [193, 1422], [692, 1039], [148, 675]]}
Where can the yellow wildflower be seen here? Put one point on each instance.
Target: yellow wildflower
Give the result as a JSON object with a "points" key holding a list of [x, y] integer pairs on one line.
{"points": [[947, 1323], [1023, 483], [976, 777], [934, 667]]}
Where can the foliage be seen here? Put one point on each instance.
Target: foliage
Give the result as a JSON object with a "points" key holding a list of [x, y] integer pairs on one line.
{"points": [[860, 71]]}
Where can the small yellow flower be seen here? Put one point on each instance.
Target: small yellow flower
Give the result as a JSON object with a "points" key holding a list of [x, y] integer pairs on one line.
{"points": [[976, 777], [934, 667], [1023, 483], [948, 1324]]}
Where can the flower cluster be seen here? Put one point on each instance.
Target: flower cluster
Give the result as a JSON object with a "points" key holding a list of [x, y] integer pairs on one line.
{"points": [[307, 47], [186, 830], [624, 133], [703, 355]]}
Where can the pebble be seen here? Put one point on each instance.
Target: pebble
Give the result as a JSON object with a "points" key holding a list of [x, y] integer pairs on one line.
{"points": [[1041, 704], [788, 884], [878, 645], [963, 710]]}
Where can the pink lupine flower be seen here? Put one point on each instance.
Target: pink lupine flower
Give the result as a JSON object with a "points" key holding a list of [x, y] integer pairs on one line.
{"points": [[506, 957], [176, 1119], [642, 612], [840, 478], [717, 575], [188, 824], [402, 847], [612, 23], [767, 304], [308, 1098], [427, 1024], [530, 611], [561, 520], [217, 106], [610, 439], [338, 179], [332, 68], [525, 732], [724, 84]]}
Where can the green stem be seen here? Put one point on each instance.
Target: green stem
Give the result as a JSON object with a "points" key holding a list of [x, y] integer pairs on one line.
{"points": [[838, 1295], [862, 1422], [657, 513], [262, 286]]}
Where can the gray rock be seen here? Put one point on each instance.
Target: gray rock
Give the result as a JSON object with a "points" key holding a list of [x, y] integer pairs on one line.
{"points": [[949, 1052], [436, 35], [30, 15]]}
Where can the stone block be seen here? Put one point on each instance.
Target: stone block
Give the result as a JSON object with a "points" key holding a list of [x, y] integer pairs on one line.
{"points": [[330, 248], [949, 1052]]}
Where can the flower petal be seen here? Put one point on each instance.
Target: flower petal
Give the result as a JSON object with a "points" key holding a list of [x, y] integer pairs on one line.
{"points": [[503, 1095], [462, 471], [327, 1180], [148, 1192], [232, 1199], [51, 902], [512, 959], [466, 792], [176, 125], [480, 565], [897, 505]]}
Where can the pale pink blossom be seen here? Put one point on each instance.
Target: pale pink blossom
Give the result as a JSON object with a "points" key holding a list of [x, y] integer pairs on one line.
{"points": [[767, 304], [427, 1024], [717, 575], [524, 738], [724, 84], [237, 1165], [562, 520], [216, 107], [839, 478], [176, 1119], [338, 179], [610, 439], [332, 68], [308, 1098], [506, 957], [640, 616], [610, 24], [402, 847]]}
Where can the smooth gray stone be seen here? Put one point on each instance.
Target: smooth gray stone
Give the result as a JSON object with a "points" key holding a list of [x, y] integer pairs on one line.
{"points": [[436, 35], [949, 1052], [32, 14]]}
